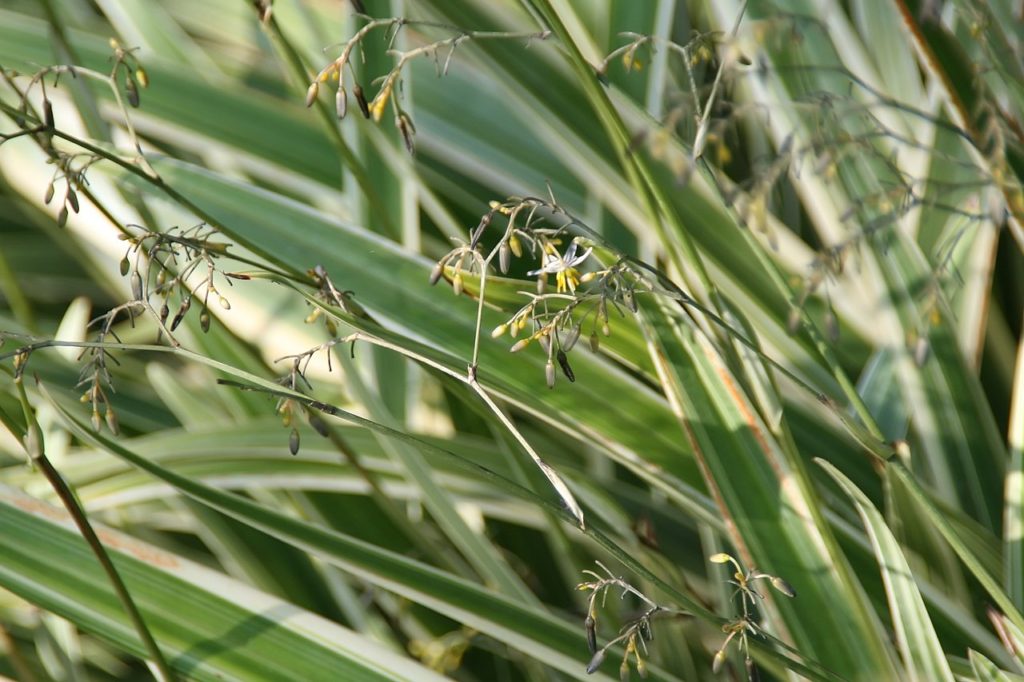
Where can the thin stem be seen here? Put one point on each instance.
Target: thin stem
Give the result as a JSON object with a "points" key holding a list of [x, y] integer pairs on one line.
{"points": [[470, 378], [36, 451]]}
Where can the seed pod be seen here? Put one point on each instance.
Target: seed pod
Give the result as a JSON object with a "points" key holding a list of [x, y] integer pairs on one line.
{"points": [[457, 284], [132, 91], [783, 587], [112, 422], [596, 662], [605, 329], [311, 92], [319, 425], [96, 421], [549, 373], [341, 102], [504, 254], [435, 274], [136, 281], [515, 245], [142, 77], [591, 626], [72, 199], [62, 217], [293, 441], [563, 362], [595, 342], [182, 311], [48, 114], [716, 663], [571, 338], [48, 197], [204, 321], [164, 312], [361, 100], [519, 345], [124, 265]]}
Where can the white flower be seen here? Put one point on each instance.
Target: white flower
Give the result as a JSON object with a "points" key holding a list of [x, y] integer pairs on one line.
{"points": [[555, 263]]}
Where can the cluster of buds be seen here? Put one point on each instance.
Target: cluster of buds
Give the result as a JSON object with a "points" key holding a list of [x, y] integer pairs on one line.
{"points": [[97, 397], [72, 174], [130, 72], [555, 320], [374, 108], [634, 635], [745, 624], [160, 263]]}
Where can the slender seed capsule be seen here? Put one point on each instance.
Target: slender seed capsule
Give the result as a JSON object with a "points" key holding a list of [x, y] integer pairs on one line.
{"points": [[591, 625], [125, 265], [499, 331], [49, 194], [142, 77], [136, 280], [48, 114], [204, 321], [96, 421], [504, 254], [62, 217], [112, 422], [164, 312], [595, 342], [716, 663], [549, 373], [319, 425], [516, 246], [312, 92], [518, 345], [782, 586], [563, 362], [596, 662], [133, 92], [341, 103], [293, 441], [364, 107], [457, 284], [182, 311], [72, 199], [435, 274]]}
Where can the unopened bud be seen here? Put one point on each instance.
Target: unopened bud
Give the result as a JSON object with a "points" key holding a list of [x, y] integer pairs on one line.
{"points": [[312, 92], [549, 374], [504, 253]]}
